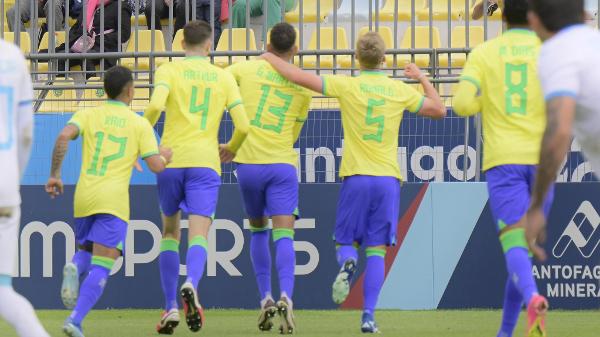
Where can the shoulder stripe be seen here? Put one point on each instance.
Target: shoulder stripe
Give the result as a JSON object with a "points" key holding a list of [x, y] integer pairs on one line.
{"points": [[472, 80], [420, 105], [561, 93], [149, 154], [234, 104]]}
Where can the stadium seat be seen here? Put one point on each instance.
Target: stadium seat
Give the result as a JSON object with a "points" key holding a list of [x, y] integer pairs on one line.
{"points": [[141, 97], [421, 42], [92, 97], [25, 40], [145, 45], [386, 13], [326, 42], [388, 38], [176, 45], [44, 44], [142, 21], [59, 100], [309, 11], [458, 40], [440, 10], [238, 43]]}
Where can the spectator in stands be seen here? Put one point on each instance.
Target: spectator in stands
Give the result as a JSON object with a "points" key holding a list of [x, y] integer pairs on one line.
{"points": [[238, 11], [110, 33], [202, 13], [43, 9]]}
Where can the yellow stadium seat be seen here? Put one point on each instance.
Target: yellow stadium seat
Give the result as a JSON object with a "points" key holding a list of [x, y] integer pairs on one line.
{"points": [[458, 40], [59, 100], [440, 10], [25, 40], [326, 42], [238, 43], [309, 11], [386, 13], [143, 22], [144, 38], [176, 45], [421, 42], [388, 38], [141, 97], [44, 44], [93, 97]]}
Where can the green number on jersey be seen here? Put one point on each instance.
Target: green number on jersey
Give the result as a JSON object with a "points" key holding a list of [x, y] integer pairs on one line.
{"points": [[122, 141], [371, 120], [277, 111], [203, 108], [515, 92]]}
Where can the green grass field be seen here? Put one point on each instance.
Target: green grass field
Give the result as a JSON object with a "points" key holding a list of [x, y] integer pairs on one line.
{"points": [[137, 323]]}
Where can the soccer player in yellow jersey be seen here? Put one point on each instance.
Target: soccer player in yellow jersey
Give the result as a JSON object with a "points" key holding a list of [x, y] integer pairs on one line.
{"points": [[194, 95], [500, 80], [372, 106], [113, 138], [266, 170]]}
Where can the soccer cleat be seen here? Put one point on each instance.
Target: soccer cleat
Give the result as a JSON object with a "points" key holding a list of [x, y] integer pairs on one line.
{"points": [[169, 320], [341, 285], [69, 290], [194, 315], [71, 329], [536, 316], [288, 324], [267, 312], [368, 324]]}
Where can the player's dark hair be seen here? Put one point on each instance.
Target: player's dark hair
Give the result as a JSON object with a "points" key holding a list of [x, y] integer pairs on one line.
{"points": [[283, 37], [515, 12], [196, 32], [116, 80], [558, 14]]}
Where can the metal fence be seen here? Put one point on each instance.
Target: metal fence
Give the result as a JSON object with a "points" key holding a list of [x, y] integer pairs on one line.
{"points": [[435, 34]]}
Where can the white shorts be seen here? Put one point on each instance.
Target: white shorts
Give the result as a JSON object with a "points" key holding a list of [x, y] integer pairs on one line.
{"points": [[9, 236]]}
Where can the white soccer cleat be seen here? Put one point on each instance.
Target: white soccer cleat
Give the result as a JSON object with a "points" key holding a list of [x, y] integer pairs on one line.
{"points": [[286, 314], [341, 285], [169, 320], [69, 291], [194, 315]]}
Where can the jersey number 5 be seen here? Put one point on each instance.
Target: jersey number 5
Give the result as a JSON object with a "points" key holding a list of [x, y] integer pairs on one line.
{"points": [[515, 94], [372, 120], [6, 100], [121, 141], [278, 111], [202, 108]]}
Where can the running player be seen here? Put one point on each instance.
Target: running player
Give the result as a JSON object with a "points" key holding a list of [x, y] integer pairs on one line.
{"points": [[372, 106], [500, 80], [16, 134], [570, 75], [267, 170], [195, 94], [113, 138]]}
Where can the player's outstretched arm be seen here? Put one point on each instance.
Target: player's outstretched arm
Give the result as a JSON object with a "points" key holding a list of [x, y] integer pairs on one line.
{"points": [[555, 145], [158, 162], [433, 107], [466, 102], [478, 9], [295, 74], [54, 186]]}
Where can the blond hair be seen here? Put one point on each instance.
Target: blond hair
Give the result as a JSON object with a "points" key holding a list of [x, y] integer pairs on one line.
{"points": [[370, 50]]}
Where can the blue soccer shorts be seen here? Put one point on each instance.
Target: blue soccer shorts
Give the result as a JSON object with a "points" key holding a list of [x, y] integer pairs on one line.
{"points": [[105, 229], [192, 190]]}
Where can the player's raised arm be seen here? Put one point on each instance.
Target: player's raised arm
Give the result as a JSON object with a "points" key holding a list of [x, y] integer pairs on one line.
{"points": [[158, 101], [54, 186], [478, 9], [295, 74], [432, 107], [25, 120]]}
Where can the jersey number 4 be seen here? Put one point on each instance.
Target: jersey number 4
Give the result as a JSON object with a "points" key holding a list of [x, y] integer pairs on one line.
{"points": [[200, 108], [100, 137], [515, 93]]}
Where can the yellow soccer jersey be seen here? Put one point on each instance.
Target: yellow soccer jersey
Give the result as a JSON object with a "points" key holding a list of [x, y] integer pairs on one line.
{"points": [[113, 138], [276, 109], [195, 94], [372, 106], [513, 109]]}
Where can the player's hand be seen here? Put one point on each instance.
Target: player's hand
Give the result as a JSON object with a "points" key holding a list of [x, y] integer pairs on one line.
{"points": [[226, 154], [535, 232], [138, 166], [166, 153], [54, 187], [413, 72], [168, 2]]}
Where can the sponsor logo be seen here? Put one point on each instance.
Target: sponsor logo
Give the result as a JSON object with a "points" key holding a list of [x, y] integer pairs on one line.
{"points": [[581, 232]]}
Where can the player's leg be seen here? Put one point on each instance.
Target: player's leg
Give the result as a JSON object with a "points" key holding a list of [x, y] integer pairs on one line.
{"points": [[252, 186], [509, 198], [171, 193], [108, 233], [201, 194], [14, 308], [351, 217], [380, 233]]}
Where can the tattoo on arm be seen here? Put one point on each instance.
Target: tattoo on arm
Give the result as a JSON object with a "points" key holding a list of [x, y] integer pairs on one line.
{"points": [[555, 145], [58, 154]]}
